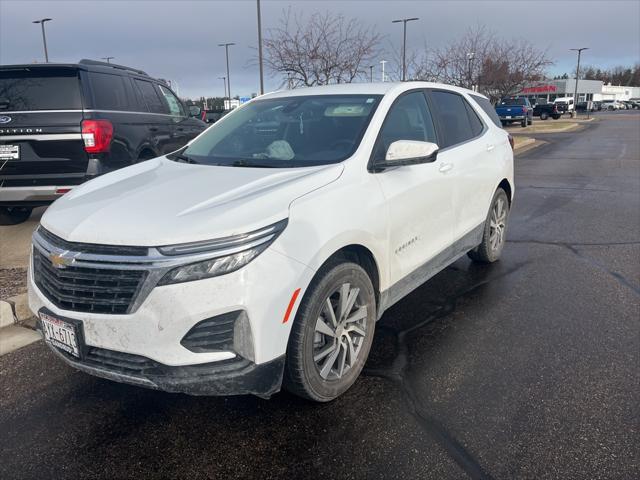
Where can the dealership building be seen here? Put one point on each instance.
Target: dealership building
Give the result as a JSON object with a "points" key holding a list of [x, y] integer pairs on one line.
{"points": [[588, 90]]}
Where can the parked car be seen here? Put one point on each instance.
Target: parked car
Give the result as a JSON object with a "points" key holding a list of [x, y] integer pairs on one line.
{"points": [[62, 124], [611, 105], [628, 105], [249, 257], [565, 104], [597, 105], [546, 110], [212, 116], [635, 102], [515, 110]]}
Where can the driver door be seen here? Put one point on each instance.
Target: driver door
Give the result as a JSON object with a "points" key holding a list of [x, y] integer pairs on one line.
{"points": [[419, 198]]}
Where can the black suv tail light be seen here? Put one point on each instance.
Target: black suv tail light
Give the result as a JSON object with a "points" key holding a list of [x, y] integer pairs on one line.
{"points": [[97, 135]]}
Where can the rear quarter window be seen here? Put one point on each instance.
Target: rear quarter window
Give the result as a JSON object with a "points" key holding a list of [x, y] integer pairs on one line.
{"points": [[111, 92], [39, 90], [486, 106]]}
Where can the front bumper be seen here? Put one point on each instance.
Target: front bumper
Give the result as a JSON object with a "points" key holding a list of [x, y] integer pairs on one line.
{"points": [[236, 376]]}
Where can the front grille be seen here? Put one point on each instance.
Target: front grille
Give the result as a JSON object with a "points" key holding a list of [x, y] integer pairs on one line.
{"points": [[91, 247], [212, 334], [82, 289], [119, 362]]}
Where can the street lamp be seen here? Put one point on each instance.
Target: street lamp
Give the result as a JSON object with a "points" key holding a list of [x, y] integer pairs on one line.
{"points": [[404, 44], [383, 63], [260, 48], [574, 113], [44, 37], [108, 59], [470, 57], [224, 83], [226, 49]]}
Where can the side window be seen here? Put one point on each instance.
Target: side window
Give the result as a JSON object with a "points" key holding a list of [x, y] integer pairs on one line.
{"points": [[150, 97], [476, 124], [175, 107], [453, 118], [408, 119], [110, 92], [488, 109]]}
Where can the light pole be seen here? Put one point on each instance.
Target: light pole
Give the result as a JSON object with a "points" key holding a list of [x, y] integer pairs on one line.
{"points": [[371, 73], [383, 62], [44, 36], [574, 113], [404, 44], [224, 83], [226, 49], [108, 59], [260, 49], [470, 57]]}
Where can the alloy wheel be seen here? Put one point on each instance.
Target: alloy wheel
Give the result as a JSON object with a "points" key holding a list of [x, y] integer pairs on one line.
{"points": [[339, 332], [498, 224]]}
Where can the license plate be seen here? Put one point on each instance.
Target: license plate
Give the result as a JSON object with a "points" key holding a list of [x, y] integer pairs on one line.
{"points": [[508, 116], [60, 334], [9, 152]]}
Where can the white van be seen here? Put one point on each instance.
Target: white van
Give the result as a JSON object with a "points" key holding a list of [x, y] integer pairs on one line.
{"points": [[565, 104]]}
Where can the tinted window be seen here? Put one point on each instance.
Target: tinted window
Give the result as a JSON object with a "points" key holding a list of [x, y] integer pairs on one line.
{"points": [[453, 118], [110, 92], [150, 97], [513, 101], [174, 105], [286, 132], [476, 124], [488, 109], [408, 119], [39, 90]]}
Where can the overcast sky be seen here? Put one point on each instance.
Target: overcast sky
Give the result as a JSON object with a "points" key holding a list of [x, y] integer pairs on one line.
{"points": [[178, 40]]}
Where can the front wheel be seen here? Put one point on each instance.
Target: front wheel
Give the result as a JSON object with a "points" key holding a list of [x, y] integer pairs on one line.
{"points": [[495, 228], [544, 116], [523, 123], [332, 333], [14, 215]]}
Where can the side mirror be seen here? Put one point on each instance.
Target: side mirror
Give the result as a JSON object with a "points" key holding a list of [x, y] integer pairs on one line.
{"points": [[194, 111], [410, 152]]}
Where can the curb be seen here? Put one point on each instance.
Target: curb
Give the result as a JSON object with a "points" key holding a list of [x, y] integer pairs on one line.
{"points": [[526, 143], [17, 329]]}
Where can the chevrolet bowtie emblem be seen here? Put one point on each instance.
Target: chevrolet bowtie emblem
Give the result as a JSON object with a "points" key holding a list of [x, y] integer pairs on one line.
{"points": [[59, 260]]}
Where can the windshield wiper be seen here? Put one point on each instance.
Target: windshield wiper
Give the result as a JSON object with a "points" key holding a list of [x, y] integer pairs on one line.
{"points": [[245, 163], [183, 158]]}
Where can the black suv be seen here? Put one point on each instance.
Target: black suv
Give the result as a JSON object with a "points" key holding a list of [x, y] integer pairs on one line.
{"points": [[63, 124]]}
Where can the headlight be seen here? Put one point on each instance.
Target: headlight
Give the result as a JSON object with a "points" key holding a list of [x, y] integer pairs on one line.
{"points": [[226, 254]]}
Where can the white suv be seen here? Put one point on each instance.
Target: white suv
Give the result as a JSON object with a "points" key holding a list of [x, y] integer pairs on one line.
{"points": [[264, 252]]}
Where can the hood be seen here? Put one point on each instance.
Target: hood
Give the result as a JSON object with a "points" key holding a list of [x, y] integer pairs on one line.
{"points": [[162, 202]]}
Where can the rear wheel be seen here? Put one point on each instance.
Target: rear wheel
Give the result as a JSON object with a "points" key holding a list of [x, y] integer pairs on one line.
{"points": [[529, 120], [544, 116], [523, 123], [495, 228], [14, 215], [332, 333]]}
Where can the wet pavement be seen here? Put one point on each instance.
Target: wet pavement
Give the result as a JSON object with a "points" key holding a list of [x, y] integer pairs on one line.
{"points": [[523, 369]]}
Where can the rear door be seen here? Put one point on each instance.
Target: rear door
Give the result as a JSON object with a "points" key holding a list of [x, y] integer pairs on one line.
{"points": [[40, 126], [184, 128], [160, 126], [467, 155]]}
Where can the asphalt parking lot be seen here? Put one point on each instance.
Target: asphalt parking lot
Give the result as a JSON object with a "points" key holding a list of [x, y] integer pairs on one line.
{"points": [[524, 369]]}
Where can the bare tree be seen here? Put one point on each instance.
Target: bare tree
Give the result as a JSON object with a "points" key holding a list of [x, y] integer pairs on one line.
{"points": [[498, 67], [326, 48]]}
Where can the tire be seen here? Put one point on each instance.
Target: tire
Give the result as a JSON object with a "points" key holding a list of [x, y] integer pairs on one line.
{"points": [[504, 124], [314, 369], [14, 215], [544, 115], [556, 117], [523, 123], [491, 247], [529, 121]]}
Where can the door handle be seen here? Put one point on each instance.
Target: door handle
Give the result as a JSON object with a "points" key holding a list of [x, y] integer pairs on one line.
{"points": [[490, 147], [445, 167], [153, 129]]}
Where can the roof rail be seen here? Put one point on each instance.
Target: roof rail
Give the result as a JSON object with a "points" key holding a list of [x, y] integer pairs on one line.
{"points": [[86, 61]]}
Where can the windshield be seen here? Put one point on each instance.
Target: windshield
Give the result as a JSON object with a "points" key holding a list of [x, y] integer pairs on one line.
{"points": [[286, 132]]}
